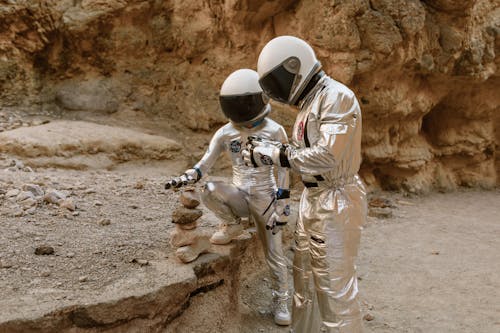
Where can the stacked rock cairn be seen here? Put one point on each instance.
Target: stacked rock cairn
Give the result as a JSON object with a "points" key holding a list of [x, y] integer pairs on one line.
{"points": [[189, 240]]}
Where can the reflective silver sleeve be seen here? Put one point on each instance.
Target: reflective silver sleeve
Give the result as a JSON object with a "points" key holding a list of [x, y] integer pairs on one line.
{"points": [[283, 173], [337, 125], [213, 152]]}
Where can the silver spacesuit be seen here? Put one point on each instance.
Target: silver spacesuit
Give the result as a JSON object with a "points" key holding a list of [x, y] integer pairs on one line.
{"points": [[326, 150], [253, 192]]}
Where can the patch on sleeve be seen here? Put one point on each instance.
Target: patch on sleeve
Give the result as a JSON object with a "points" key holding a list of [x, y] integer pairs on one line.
{"points": [[333, 128]]}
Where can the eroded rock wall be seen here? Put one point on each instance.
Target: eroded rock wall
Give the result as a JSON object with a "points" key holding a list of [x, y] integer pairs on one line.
{"points": [[426, 72]]}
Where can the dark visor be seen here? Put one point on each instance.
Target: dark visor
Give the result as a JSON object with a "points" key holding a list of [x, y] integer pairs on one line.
{"points": [[278, 83], [242, 108]]}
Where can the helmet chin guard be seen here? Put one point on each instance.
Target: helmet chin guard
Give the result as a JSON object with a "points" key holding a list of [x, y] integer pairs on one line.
{"points": [[286, 64], [241, 98]]}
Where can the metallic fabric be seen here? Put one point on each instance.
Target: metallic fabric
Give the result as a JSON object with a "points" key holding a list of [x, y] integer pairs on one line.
{"points": [[327, 143], [251, 192]]}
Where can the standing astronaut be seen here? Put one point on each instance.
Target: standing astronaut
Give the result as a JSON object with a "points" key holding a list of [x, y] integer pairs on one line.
{"points": [[253, 191], [326, 152]]}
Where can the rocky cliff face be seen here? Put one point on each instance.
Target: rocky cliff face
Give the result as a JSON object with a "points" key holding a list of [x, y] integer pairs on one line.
{"points": [[425, 72]]}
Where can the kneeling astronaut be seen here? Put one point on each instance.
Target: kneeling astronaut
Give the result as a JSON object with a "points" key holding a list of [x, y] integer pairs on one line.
{"points": [[253, 191]]}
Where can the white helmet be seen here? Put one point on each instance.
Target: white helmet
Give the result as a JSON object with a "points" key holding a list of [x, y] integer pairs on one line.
{"points": [[286, 65], [241, 97]]}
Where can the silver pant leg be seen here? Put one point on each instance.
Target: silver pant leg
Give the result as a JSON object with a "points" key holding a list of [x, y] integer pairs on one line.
{"points": [[272, 244], [305, 314], [333, 219], [226, 201]]}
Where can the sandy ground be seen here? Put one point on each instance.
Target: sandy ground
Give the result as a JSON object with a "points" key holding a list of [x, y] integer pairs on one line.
{"points": [[433, 267]]}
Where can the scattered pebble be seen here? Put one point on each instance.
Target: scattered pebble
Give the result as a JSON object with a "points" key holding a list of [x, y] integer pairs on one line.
{"points": [[44, 250], [141, 262], [36, 190], [368, 317], [68, 203], [82, 279], [12, 193], [105, 221], [97, 203]]}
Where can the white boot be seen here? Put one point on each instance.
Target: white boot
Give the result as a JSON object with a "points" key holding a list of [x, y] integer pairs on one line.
{"points": [[280, 309], [226, 234]]}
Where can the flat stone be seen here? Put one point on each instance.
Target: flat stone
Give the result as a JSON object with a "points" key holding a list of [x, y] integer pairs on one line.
{"points": [[189, 199], [183, 215], [381, 213]]}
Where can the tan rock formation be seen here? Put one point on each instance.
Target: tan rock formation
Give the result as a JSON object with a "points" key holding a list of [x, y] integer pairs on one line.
{"points": [[426, 72]]}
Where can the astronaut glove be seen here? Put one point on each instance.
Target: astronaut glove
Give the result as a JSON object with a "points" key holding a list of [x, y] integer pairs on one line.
{"points": [[279, 218], [259, 152], [190, 176]]}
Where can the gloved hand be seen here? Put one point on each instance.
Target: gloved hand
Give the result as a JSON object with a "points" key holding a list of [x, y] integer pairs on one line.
{"points": [[190, 176], [279, 217], [259, 152]]}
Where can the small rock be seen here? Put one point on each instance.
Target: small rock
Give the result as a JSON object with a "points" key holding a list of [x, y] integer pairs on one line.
{"points": [[134, 206], [139, 185], [35, 189], [28, 203], [12, 193], [368, 317], [45, 273], [53, 196], [141, 262], [75, 213], [17, 164], [436, 253], [381, 213], [68, 203], [70, 255], [82, 279], [31, 211], [28, 169], [182, 215], [44, 250], [381, 203], [105, 221], [18, 212], [89, 191], [5, 265], [24, 195], [97, 203], [189, 199]]}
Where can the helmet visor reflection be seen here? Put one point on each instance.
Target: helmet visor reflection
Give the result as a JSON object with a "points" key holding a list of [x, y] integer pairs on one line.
{"points": [[278, 84], [242, 108]]}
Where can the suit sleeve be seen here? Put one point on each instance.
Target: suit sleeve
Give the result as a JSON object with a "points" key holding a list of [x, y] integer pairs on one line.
{"points": [[213, 152]]}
